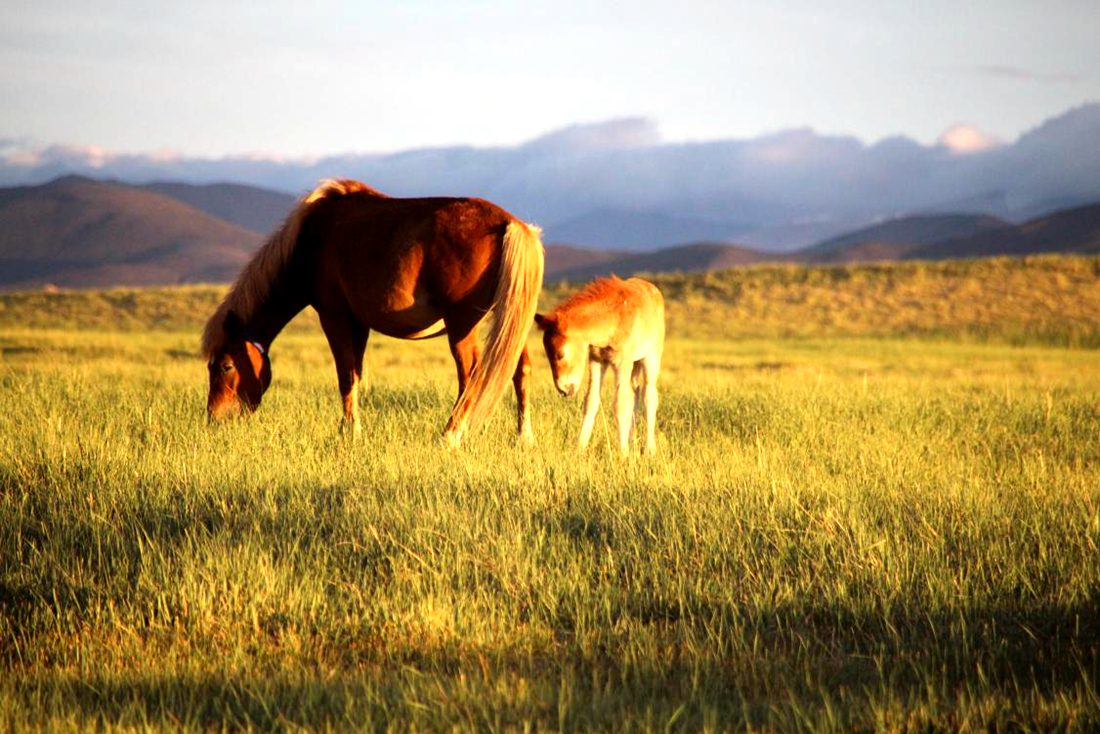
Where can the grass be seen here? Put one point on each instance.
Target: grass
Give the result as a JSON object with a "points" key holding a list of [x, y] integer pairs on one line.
{"points": [[1052, 300], [843, 533]]}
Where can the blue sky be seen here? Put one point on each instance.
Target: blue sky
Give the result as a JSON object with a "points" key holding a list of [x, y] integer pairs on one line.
{"points": [[300, 79]]}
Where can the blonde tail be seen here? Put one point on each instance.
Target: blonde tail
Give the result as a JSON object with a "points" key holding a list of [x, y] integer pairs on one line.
{"points": [[514, 305]]}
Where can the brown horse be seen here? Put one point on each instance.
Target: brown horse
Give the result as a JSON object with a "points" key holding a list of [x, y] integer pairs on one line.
{"points": [[408, 268], [609, 323]]}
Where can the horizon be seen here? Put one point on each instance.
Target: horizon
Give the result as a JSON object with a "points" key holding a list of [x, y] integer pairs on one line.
{"points": [[617, 184], [960, 138]]}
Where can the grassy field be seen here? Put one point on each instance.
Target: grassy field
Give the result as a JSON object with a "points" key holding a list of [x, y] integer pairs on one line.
{"points": [[889, 524]]}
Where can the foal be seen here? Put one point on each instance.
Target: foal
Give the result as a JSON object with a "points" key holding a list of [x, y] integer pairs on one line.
{"points": [[610, 323]]}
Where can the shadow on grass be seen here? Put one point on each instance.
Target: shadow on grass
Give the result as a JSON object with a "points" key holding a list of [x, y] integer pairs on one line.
{"points": [[1029, 667]]}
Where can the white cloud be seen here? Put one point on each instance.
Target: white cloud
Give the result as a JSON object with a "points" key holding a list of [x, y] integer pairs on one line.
{"points": [[964, 139]]}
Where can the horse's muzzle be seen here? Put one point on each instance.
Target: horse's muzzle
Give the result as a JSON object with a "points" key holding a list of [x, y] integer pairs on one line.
{"points": [[223, 409]]}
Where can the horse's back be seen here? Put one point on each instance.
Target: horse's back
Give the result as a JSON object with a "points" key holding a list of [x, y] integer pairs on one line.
{"points": [[383, 223], [398, 263], [646, 309]]}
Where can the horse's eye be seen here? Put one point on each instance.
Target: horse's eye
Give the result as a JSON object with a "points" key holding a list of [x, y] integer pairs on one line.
{"points": [[559, 356], [227, 367]]}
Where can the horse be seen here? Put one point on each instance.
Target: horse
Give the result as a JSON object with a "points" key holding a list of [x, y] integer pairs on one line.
{"points": [[610, 323], [411, 268]]}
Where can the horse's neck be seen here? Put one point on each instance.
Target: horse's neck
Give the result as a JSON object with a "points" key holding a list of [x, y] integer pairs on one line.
{"points": [[272, 316]]}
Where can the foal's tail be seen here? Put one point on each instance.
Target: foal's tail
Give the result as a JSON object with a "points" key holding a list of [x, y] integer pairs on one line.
{"points": [[514, 305]]}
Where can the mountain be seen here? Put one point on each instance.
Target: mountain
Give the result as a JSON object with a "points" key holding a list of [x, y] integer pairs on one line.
{"points": [[894, 238], [76, 232], [617, 184], [1070, 231], [639, 230], [696, 257], [565, 258], [261, 210]]}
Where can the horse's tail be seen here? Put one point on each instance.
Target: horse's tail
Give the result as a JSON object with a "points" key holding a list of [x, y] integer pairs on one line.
{"points": [[514, 305], [255, 280]]}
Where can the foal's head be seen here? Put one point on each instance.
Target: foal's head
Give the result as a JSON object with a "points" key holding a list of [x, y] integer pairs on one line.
{"points": [[240, 372], [567, 356]]}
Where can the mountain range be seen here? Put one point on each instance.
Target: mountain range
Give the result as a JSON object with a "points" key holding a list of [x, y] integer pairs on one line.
{"points": [[617, 185], [80, 232]]}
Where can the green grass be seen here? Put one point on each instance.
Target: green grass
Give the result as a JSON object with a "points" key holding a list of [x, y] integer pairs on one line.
{"points": [[842, 533]]}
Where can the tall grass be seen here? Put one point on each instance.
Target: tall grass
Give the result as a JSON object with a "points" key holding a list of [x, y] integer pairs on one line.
{"points": [[837, 534]]}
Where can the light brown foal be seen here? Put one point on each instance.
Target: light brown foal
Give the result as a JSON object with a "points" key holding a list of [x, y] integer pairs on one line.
{"points": [[616, 324]]}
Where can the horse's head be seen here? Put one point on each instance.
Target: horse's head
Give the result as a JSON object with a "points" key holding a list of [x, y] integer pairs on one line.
{"points": [[239, 373], [567, 356]]}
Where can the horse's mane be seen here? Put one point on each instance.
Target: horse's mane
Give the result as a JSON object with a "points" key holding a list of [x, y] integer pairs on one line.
{"points": [[253, 284]]}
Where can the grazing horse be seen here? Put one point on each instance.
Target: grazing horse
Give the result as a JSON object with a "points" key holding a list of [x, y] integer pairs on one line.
{"points": [[408, 268], [610, 323]]}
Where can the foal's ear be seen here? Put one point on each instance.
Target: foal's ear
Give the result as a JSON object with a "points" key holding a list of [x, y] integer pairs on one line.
{"points": [[545, 322], [233, 326]]}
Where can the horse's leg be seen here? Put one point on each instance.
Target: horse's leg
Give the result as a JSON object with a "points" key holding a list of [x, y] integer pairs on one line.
{"points": [[519, 382], [651, 367], [624, 405], [347, 341], [465, 351], [591, 401]]}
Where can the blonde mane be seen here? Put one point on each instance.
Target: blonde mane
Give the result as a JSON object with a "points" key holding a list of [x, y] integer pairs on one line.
{"points": [[253, 284]]}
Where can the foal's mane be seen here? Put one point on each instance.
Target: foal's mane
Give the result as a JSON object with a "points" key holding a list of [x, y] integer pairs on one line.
{"points": [[595, 293], [254, 283]]}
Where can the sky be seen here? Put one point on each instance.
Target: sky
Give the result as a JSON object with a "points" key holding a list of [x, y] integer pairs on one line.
{"points": [[299, 80]]}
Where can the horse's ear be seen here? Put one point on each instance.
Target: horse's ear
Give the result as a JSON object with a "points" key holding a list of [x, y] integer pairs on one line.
{"points": [[233, 326], [544, 322]]}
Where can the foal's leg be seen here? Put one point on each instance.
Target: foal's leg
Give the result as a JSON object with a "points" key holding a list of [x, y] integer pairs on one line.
{"points": [[348, 341], [591, 401], [624, 405], [519, 382], [651, 368]]}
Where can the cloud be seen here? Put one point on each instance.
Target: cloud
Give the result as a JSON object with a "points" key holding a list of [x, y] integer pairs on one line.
{"points": [[1004, 71], [617, 134], [965, 139], [22, 154], [606, 179]]}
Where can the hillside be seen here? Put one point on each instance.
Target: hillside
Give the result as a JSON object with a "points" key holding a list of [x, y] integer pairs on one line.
{"points": [[1069, 231], [260, 210], [683, 259], [562, 259], [75, 232], [617, 229], [81, 233], [895, 237], [1033, 300]]}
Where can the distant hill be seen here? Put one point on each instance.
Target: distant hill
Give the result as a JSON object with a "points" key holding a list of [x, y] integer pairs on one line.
{"points": [[77, 232], [894, 238], [618, 229], [261, 210], [1069, 231], [691, 258], [565, 258]]}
